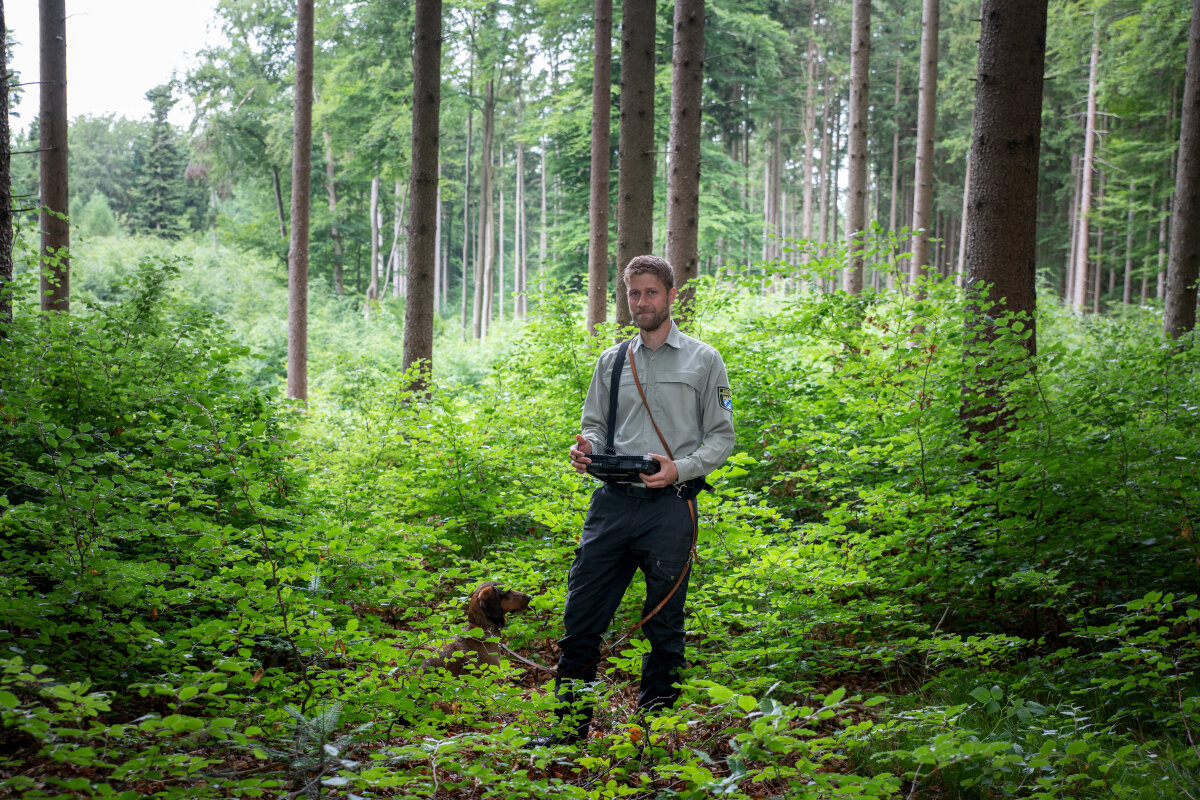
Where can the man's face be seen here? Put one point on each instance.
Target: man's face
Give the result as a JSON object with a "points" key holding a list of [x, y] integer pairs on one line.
{"points": [[649, 301]]}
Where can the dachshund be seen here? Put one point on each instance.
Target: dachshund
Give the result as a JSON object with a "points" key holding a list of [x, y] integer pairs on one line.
{"points": [[485, 610]]}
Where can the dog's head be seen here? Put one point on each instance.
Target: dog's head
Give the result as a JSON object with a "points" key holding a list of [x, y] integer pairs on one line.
{"points": [[490, 602]]}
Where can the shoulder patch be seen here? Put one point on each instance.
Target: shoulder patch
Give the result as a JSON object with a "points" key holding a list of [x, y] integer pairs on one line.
{"points": [[725, 397]]}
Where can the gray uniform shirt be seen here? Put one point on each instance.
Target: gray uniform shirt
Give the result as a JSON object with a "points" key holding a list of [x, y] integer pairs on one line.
{"points": [[688, 392]]}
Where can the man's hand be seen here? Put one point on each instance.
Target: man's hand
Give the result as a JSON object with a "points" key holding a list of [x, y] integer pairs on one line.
{"points": [[667, 473], [580, 452]]}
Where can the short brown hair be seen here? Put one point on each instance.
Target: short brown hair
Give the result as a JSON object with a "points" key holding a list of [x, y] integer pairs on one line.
{"points": [[654, 265]]}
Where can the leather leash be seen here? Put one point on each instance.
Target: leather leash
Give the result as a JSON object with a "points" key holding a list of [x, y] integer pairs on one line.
{"points": [[691, 504]]}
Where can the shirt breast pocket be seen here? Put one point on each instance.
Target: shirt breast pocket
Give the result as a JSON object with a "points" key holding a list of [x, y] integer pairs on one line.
{"points": [[679, 397]]}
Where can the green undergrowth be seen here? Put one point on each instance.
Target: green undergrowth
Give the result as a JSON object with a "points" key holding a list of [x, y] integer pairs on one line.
{"points": [[933, 568]]}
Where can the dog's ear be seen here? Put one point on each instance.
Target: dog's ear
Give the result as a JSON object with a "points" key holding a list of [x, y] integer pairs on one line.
{"points": [[488, 598]]}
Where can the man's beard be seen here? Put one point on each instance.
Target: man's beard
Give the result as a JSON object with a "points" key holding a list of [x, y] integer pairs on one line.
{"points": [[653, 322]]}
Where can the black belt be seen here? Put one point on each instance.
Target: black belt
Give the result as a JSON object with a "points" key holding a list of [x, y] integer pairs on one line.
{"points": [[685, 490]]}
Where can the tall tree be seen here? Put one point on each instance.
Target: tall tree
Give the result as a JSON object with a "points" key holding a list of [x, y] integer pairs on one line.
{"points": [[339, 283], [52, 121], [1183, 264], [683, 183], [297, 370], [423, 188], [926, 123], [597, 291], [1083, 220], [635, 175], [6, 215], [159, 196], [856, 189], [1002, 222]]}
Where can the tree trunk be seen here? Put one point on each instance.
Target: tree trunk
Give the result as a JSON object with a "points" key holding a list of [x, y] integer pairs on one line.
{"points": [[597, 292], [895, 202], [635, 160], [277, 184], [372, 268], [1183, 265], [810, 126], [520, 220], [56, 235], [6, 215], [774, 191], [926, 124], [339, 281], [962, 231], [423, 230], [297, 365], [856, 189], [1083, 219], [1127, 286], [683, 184], [483, 265], [1002, 227], [823, 213], [543, 243], [500, 241], [1098, 272]]}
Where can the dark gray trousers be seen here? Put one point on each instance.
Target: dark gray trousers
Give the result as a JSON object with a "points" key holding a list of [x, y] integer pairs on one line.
{"points": [[623, 534]]}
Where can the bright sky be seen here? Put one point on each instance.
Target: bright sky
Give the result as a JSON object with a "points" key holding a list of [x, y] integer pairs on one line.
{"points": [[116, 51]]}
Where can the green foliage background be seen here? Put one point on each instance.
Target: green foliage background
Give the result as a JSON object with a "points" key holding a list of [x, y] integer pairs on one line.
{"points": [[207, 592]]}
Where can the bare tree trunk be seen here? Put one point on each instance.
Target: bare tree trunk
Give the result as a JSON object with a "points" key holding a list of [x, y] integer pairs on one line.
{"points": [[1001, 240], [856, 190], [597, 277], [439, 258], [1127, 288], [683, 184], [339, 281], [1084, 218], [962, 231], [635, 168], [1183, 267], [823, 214], [6, 214], [521, 220], [424, 219], [891, 279], [483, 265], [277, 184], [392, 271], [372, 268], [810, 125], [297, 367], [1072, 209], [500, 241], [466, 248], [1098, 273], [542, 232], [774, 191], [926, 125], [56, 234]]}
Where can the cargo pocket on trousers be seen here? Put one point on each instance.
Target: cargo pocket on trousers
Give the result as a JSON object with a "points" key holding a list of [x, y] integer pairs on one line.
{"points": [[664, 572]]}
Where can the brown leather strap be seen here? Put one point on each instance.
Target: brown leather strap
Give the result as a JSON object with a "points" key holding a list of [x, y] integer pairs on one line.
{"points": [[638, 384]]}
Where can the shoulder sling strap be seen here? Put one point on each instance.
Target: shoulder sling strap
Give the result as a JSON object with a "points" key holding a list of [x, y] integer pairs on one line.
{"points": [[614, 388]]}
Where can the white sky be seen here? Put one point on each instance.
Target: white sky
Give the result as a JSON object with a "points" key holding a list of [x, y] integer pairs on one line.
{"points": [[116, 51]]}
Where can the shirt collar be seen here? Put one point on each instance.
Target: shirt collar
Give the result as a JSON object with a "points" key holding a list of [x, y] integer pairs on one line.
{"points": [[673, 338]]}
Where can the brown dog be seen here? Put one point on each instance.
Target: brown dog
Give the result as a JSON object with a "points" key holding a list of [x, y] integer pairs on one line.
{"points": [[485, 610]]}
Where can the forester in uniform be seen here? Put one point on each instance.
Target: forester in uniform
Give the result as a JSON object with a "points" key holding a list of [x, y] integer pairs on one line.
{"points": [[686, 424]]}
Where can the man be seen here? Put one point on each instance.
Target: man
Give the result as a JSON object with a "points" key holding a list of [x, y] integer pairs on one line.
{"points": [[648, 525]]}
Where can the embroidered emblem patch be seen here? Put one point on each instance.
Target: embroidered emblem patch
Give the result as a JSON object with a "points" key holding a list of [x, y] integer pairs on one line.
{"points": [[726, 397]]}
